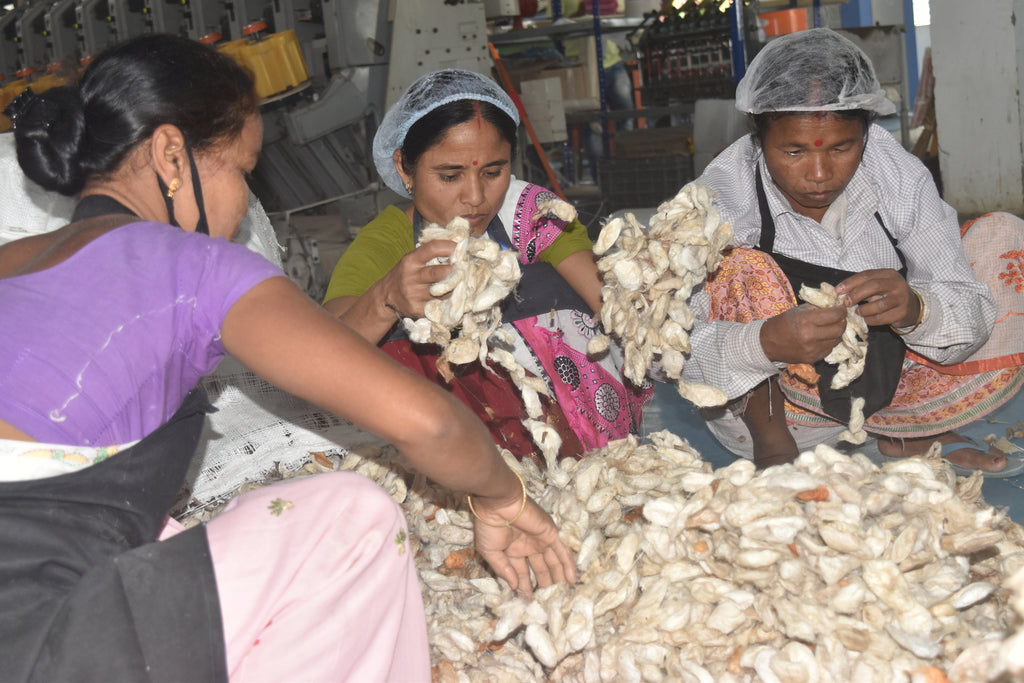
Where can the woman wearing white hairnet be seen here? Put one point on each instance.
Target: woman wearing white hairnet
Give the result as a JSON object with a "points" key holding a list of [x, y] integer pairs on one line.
{"points": [[448, 145], [818, 193]]}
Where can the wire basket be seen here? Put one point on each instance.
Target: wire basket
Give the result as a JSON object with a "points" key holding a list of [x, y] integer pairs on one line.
{"points": [[642, 182]]}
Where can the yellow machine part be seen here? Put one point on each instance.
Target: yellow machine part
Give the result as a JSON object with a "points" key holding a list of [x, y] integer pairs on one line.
{"points": [[276, 61]]}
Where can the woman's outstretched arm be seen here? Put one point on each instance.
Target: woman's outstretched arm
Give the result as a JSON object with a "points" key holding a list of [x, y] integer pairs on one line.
{"points": [[290, 341]]}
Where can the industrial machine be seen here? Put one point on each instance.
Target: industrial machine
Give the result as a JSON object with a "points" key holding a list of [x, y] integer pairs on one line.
{"points": [[353, 57], [326, 70]]}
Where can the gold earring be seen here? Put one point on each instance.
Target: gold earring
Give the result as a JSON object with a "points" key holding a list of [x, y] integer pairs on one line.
{"points": [[175, 184], [408, 188]]}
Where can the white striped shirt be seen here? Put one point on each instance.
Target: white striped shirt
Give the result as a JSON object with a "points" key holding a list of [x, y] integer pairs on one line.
{"points": [[890, 181]]}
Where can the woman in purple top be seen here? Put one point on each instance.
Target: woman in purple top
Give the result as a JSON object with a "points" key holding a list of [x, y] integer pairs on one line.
{"points": [[106, 328]]}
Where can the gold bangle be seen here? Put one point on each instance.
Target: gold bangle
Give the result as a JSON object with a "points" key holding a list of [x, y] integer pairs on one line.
{"points": [[508, 522], [920, 315]]}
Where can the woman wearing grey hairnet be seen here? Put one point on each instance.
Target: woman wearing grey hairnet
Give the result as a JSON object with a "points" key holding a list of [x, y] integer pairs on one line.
{"points": [[448, 144], [818, 193]]}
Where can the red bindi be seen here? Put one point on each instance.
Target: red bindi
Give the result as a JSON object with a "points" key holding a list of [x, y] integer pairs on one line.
{"points": [[817, 143], [475, 163]]}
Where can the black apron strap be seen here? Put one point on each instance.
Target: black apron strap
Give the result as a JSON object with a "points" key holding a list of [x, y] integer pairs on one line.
{"points": [[99, 205], [766, 243], [883, 365], [811, 274]]}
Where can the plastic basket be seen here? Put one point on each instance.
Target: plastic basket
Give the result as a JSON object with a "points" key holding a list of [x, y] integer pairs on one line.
{"points": [[784, 21]]}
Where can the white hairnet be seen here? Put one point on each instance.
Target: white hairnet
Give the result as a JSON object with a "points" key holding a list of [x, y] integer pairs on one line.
{"points": [[423, 96], [812, 70], [27, 209]]}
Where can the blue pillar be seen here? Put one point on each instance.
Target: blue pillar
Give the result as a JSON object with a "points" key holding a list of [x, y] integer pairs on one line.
{"points": [[602, 83], [856, 13], [739, 46], [913, 68]]}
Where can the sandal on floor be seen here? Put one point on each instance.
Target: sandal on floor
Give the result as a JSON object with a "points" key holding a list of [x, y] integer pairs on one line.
{"points": [[1014, 465]]}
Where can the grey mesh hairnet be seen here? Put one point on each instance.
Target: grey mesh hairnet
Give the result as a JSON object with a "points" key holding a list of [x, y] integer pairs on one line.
{"points": [[423, 96], [812, 70]]}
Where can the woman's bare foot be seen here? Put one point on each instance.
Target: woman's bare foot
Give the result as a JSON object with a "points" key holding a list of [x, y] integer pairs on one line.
{"points": [[970, 456], [765, 417]]}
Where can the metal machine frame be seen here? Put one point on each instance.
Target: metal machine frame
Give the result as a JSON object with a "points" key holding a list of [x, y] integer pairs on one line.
{"points": [[360, 55]]}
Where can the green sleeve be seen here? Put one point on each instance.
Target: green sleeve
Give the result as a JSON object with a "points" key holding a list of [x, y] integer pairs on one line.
{"points": [[574, 238], [377, 248]]}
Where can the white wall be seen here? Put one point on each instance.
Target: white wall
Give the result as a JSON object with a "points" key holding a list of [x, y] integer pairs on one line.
{"points": [[977, 59], [886, 12]]}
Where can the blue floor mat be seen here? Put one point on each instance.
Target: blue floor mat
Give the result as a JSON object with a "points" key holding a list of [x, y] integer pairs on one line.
{"points": [[668, 410]]}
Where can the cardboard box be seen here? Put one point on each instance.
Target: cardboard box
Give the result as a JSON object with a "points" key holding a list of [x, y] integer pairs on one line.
{"points": [[542, 99], [576, 91]]}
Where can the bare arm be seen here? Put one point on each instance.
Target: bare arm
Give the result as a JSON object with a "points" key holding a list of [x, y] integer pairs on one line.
{"points": [[885, 298], [403, 291], [367, 315], [287, 339], [580, 271], [804, 334]]}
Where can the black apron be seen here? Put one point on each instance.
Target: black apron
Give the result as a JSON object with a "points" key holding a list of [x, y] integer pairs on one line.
{"points": [[85, 592], [883, 364]]}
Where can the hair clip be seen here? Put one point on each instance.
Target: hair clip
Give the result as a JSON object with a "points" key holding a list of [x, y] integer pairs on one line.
{"points": [[21, 104]]}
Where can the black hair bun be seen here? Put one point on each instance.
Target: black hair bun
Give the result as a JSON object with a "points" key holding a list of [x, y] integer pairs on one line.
{"points": [[48, 134]]}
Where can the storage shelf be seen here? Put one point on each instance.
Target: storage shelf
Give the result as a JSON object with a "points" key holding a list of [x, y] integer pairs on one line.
{"points": [[579, 28], [586, 116]]}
